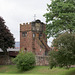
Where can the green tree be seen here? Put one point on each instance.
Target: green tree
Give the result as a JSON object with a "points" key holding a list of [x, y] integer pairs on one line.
{"points": [[63, 54], [6, 38], [60, 17]]}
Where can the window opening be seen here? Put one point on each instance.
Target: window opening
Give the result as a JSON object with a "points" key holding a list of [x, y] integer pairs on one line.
{"points": [[33, 35], [24, 34]]}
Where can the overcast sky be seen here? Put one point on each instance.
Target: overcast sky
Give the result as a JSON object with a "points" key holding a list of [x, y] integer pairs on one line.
{"points": [[16, 12]]}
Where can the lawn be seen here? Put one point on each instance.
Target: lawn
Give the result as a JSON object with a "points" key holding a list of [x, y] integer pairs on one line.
{"points": [[38, 70]]}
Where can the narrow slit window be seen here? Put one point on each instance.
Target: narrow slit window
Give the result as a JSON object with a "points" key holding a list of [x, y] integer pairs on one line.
{"points": [[33, 35]]}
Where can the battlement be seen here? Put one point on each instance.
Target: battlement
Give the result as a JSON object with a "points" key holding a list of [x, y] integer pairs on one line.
{"points": [[25, 24]]}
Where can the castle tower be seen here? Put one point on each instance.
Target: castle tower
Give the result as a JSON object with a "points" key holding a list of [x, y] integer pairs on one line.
{"points": [[32, 38]]}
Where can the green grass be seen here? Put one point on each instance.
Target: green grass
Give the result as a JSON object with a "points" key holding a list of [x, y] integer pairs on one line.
{"points": [[38, 70]]}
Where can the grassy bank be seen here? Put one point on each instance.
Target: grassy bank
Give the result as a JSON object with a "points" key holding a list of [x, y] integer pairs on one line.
{"points": [[41, 70]]}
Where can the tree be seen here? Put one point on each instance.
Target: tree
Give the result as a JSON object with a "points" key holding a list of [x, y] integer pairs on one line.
{"points": [[64, 51], [6, 38], [60, 17]]}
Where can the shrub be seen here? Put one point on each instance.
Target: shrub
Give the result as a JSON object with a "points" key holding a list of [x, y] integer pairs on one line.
{"points": [[24, 60]]}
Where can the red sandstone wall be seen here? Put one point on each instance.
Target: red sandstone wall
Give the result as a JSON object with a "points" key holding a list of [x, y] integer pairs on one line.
{"points": [[38, 49], [26, 42], [25, 27]]}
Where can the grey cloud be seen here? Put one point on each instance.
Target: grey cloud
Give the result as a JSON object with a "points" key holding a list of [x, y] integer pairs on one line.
{"points": [[19, 11]]}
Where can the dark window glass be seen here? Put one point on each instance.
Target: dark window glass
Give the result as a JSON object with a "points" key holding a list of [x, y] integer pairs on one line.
{"points": [[24, 34], [40, 35]]}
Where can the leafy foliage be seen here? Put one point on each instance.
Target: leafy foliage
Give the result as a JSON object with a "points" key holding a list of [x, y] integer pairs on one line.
{"points": [[6, 38], [52, 59], [60, 17], [64, 51], [24, 60]]}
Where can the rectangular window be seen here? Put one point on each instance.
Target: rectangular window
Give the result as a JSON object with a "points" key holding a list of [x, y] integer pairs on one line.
{"points": [[24, 34]]}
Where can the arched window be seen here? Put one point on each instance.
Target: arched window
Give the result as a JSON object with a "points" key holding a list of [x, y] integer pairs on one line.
{"points": [[25, 49]]}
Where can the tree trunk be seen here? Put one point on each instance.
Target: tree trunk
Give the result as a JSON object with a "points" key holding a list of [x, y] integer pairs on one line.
{"points": [[6, 56]]}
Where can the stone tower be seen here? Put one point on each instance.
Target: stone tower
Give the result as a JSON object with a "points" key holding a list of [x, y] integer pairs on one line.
{"points": [[32, 38]]}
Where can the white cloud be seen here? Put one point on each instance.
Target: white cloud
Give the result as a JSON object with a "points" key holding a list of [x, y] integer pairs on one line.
{"points": [[15, 12]]}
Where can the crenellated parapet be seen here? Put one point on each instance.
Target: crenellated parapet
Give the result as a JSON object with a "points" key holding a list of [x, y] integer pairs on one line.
{"points": [[25, 24], [25, 27]]}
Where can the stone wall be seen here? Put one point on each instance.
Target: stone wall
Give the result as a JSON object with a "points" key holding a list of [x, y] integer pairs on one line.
{"points": [[42, 60], [26, 41], [5, 60]]}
